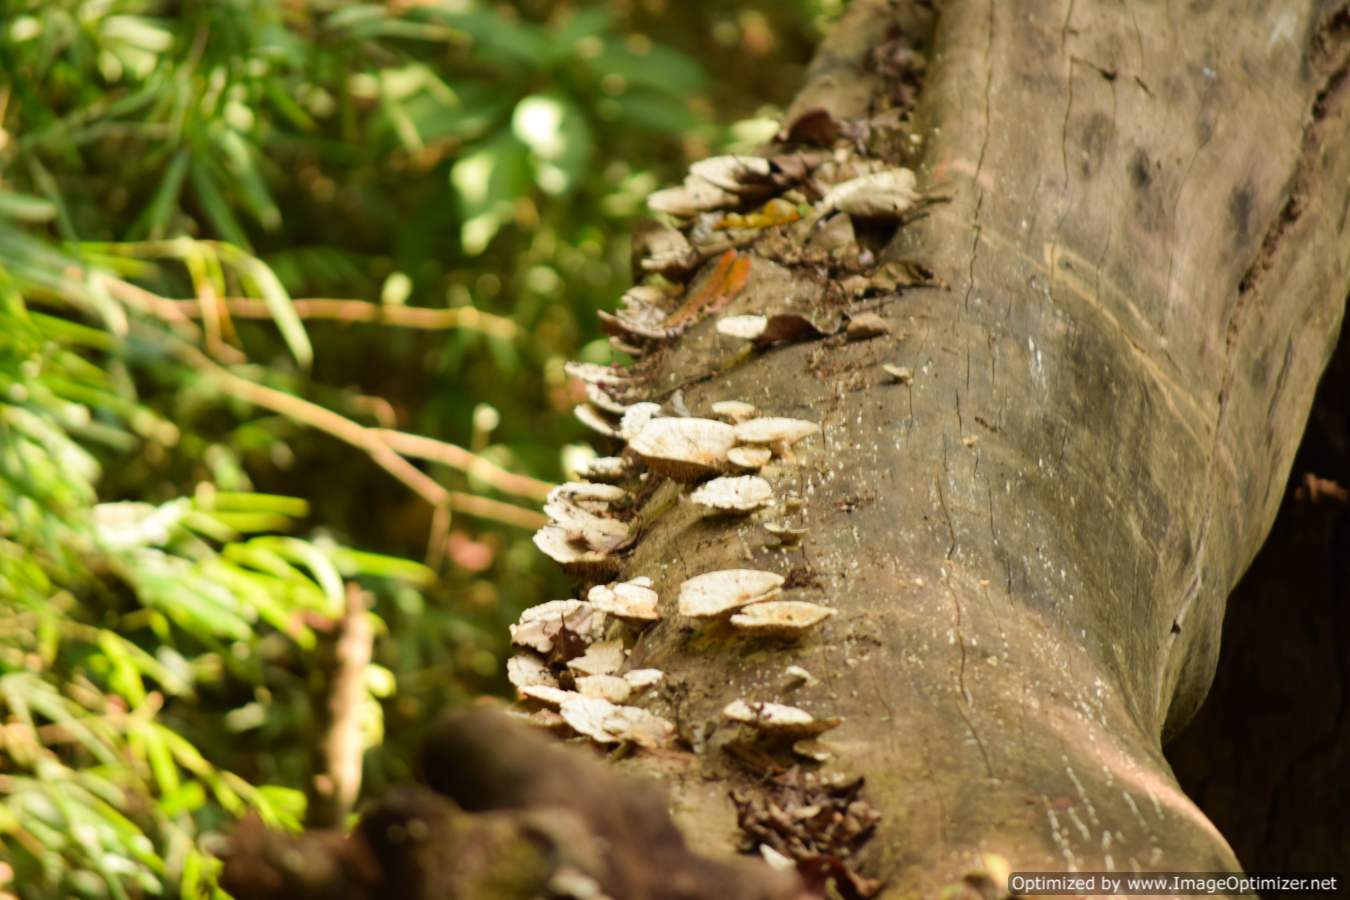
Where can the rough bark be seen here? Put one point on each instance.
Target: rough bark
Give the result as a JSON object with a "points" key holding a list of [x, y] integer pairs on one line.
{"points": [[1030, 546]]}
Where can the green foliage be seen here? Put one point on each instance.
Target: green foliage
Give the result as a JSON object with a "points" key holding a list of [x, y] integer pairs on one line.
{"points": [[178, 523]]}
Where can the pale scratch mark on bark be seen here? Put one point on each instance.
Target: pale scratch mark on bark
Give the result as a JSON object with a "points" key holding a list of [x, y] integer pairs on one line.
{"points": [[1082, 792], [1057, 835], [1138, 37], [1172, 234]]}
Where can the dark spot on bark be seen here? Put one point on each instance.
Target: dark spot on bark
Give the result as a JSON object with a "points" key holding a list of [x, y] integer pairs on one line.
{"points": [[1097, 134], [1148, 201], [1201, 6], [802, 577], [1240, 215], [1140, 176], [1204, 128], [1259, 373]]}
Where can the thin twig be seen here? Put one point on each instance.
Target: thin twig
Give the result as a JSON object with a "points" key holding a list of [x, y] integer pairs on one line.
{"points": [[473, 465], [352, 311], [371, 440], [338, 779], [496, 510]]}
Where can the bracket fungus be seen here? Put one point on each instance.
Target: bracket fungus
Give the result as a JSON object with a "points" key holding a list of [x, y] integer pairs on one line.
{"points": [[745, 327], [626, 600], [788, 535], [772, 329], [606, 723], [775, 430], [664, 250], [738, 174], [734, 411], [539, 626], [606, 687], [900, 373], [526, 670], [542, 693], [751, 458], [588, 494], [684, 449], [594, 419], [575, 557], [714, 594], [734, 494], [594, 373], [605, 468], [777, 719], [636, 418], [601, 658], [781, 618], [887, 194], [694, 196], [580, 525], [641, 679], [866, 325], [597, 396]]}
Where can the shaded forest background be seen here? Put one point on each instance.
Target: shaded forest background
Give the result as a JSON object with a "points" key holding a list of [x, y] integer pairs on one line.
{"points": [[250, 252]]}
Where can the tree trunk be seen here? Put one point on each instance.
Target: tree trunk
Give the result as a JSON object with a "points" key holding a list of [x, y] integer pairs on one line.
{"points": [[1141, 266]]}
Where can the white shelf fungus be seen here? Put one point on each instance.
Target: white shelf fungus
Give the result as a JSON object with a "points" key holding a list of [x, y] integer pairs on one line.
{"points": [[594, 419], [776, 718], [524, 670], [636, 417], [744, 327], [734, 411], [641, 679], [696, 195], [716, 593], [626, 600], [887, 194], [752, 458], [601, 658], [606, 723], [574, 556], [606, 687], [781, 617], [542, 693], [684, 449], [734, 494], [739, 174], [540, 625], [775, 430], [605, 468], [899, 373]]}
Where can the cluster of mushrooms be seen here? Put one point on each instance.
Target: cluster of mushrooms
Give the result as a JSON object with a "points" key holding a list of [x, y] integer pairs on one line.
{"points": [[571, 669]]}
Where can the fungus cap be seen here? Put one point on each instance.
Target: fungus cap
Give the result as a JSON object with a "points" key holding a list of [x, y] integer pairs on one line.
{"points": [[781, 617], [734, 411], [734, 494], [777, 718], [607, 723], [775, 430], [601, 658], [525, 669], [716, 593], [684, 449], [625, 600], [749, 457]]}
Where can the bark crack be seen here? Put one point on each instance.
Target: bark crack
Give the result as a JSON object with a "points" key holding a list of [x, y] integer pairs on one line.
{"points": [[979, 162], [963, 700]]}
